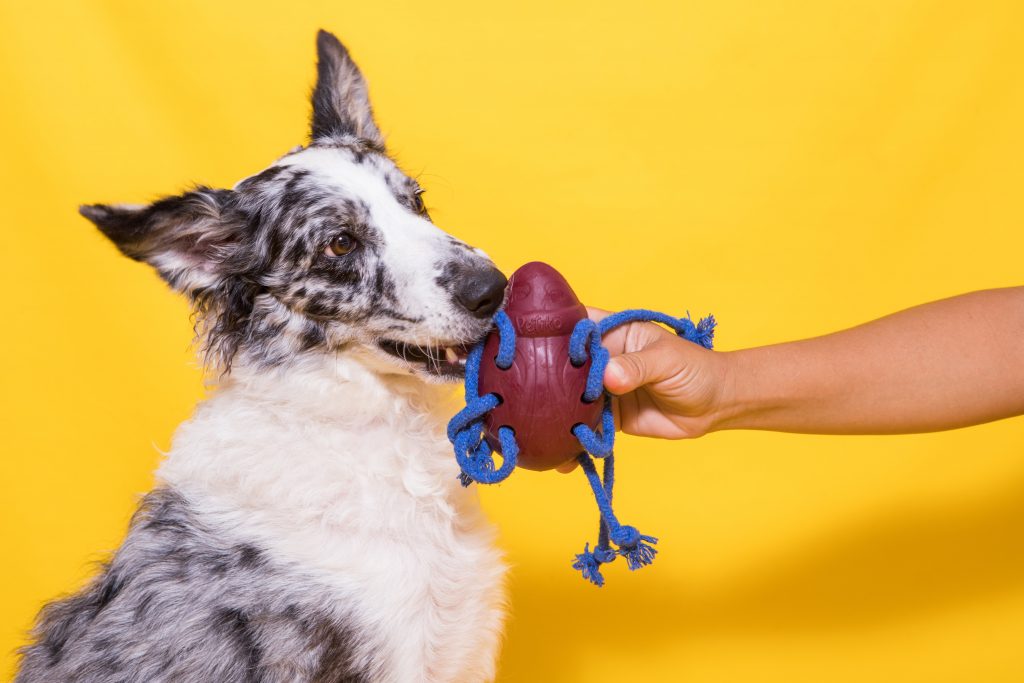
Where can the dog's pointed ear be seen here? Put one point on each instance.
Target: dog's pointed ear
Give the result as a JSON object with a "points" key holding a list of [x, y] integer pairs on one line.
{"points": [[188, 238], [341, 100]]}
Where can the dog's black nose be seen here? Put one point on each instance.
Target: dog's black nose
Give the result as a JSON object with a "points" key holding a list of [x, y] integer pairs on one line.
{"points": [[481, 290]]}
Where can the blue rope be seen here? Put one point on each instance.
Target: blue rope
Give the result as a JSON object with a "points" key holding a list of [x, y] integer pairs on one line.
{"points": [[475, 456], [506, 341], [466, 429]]}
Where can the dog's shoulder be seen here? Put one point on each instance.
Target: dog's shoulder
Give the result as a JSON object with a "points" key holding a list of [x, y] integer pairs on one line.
{"points": [[180, 602]]}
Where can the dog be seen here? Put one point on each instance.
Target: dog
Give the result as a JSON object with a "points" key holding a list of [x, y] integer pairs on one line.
{"points": [[308, 523]]}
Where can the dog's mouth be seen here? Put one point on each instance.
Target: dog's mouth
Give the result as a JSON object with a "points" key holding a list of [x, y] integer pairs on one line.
{"points": [[448, 361]]}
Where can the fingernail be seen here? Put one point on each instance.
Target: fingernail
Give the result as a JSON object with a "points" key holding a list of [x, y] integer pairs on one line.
{"points": [[615, 371]]}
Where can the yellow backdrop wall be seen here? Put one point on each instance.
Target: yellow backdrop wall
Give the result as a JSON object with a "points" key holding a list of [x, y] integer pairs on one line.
{"points": [[793, 166]]}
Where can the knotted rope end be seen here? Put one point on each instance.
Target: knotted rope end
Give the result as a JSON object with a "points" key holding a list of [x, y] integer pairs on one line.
{"points": [[638, 549], [588, 563]]}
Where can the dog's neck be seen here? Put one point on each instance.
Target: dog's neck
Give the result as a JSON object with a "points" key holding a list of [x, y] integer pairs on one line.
{"points": [[351, 388], [299, 443]]}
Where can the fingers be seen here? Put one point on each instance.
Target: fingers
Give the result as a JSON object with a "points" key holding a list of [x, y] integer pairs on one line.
{"points": [[652, 363], [567, 467], [626, 373], [629, 337], [614, 340]]}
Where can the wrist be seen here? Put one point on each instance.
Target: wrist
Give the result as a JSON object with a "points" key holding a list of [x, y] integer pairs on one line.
{"points": [[738, 395]]}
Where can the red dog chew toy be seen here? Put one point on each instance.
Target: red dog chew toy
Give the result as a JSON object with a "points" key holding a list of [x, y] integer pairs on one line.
{"points": [[542, 392], [535, 394]]}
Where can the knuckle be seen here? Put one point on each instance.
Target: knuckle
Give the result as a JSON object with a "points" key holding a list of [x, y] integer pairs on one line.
{"points": [[638, 366]]}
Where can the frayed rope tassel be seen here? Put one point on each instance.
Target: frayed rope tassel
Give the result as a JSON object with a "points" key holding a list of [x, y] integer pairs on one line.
{"points": [[589, 563], [637, 549]]}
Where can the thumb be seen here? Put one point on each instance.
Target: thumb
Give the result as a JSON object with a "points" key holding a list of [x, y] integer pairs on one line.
{"points": [[630, 371]]}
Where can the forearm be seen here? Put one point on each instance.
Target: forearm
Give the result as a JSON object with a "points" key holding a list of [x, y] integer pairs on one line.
{"points": [[946, 364]]}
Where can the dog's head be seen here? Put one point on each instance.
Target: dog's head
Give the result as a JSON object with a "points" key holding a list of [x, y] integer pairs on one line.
{"points": [[329, 248]]}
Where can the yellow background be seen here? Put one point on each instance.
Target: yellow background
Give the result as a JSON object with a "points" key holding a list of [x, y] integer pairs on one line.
{"points": [[793, 167]]}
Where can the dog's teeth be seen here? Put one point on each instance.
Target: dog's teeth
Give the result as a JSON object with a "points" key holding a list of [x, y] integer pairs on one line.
{"points": [[450, 355]]}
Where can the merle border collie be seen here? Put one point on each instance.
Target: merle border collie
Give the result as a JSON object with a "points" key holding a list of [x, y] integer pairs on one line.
{"points": [[308, 523]]}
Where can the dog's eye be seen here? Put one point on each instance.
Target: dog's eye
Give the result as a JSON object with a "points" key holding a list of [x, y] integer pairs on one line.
{"points": [[417, 202], [341, 245]]}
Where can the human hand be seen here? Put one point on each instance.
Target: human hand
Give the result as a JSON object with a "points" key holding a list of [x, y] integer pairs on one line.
{"points": [[663, 386], [918, 370]]}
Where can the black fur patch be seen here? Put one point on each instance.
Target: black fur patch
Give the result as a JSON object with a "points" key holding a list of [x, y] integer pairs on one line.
{"points": [[341, 104]]}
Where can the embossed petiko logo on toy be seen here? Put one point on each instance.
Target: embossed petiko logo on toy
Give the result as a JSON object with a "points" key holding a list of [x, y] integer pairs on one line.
{"points": [[535, 395]]}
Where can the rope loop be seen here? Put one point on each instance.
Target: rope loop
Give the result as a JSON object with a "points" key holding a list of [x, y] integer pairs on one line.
{"points": [[466, 429], [598, 444], [506, 341], [477, 461]]}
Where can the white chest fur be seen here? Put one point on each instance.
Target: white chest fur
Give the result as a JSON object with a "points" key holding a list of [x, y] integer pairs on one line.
{"points": [[345, 475]]}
